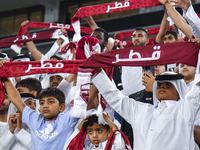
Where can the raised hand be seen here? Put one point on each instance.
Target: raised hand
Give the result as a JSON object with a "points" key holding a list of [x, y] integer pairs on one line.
{"points": [[82, 123], [24, 23], [111, 124], [148, 81], [184, 4], [163, 1], [15, 121], [12, 123], [196, 41]]}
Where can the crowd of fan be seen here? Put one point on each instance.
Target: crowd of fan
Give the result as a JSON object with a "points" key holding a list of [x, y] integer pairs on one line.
{"points": [[156, 109]]}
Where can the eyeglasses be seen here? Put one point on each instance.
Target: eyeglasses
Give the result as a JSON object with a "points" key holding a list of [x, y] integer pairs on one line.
{"points": [[166, 83]]}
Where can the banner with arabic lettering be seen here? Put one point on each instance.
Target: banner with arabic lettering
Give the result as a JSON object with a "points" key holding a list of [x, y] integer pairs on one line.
{"points": [[150, 55], [161, 54], [183, 52], [22, 31], [22, 68], [29, 37], [109, 8], [113, 7]]}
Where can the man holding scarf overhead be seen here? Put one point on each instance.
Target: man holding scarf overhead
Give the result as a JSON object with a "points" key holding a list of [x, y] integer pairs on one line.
{"points": [[156, 126]]}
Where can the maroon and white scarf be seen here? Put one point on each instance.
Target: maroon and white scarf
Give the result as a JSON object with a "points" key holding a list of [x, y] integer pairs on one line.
{"points": [[151, 55], [26, 38], [22, 68], [23, 30], [109, 8], [86, 46]]}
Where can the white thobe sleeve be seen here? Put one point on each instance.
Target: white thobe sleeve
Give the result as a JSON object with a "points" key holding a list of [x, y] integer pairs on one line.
{"points": [[65, 87], [24, 137], [7, 140], [125, 106], [191, 104], [51, 52], [193, 20]]}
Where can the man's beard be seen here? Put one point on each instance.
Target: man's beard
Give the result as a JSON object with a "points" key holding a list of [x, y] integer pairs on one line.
{"points": [[141, 44]]}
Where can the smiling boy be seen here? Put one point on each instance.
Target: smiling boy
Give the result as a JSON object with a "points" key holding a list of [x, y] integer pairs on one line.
{"points": [[50, 129]]}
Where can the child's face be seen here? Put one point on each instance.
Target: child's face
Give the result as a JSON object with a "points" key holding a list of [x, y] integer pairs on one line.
{"points": [[97, 133], [30, 103], [55, 81], [50, 108], [166, 91]]}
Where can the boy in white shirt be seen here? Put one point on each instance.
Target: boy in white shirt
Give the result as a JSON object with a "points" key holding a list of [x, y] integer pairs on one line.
{"points": [[166, 125]]}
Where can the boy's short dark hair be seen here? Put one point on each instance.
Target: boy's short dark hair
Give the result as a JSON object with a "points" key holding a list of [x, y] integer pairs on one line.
{"points": [[93, 119], [139, 28], [104, 31], [54, 92], [32, 84], [172, 32]]}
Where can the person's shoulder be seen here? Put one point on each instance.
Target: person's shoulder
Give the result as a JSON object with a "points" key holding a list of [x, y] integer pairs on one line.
{"points": [[3, 123], [63, 116], [30, 112]]}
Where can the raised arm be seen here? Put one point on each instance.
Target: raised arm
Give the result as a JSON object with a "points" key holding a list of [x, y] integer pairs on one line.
{"points": [[37, 55], [126, 107], [34, 51], [190, 15], [163, 28], [13, 94], [91, 22], [31, 46], [178, 19]]}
